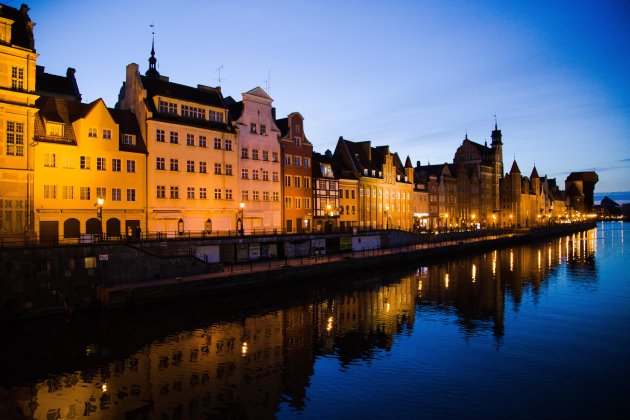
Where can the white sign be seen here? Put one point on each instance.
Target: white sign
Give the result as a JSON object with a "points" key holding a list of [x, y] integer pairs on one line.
{"points": [[103, 257]]}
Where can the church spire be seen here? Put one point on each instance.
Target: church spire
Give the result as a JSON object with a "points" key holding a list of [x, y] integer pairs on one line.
{"points": [[152, 72]]}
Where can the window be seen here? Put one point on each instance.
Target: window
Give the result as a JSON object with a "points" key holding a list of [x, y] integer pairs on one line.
{"points": [[174, 165], [159, 136], [161, 191], [15, 139], [255, 154], [274, 176], [352, 194], [307, 203], [228, 194], [307, 182], [193, 112], [274, 156], [84, 162], [129, 139], [92, 132], [296, 161], [107, 134], [287, 202], [190, 193], [203, 193], [298, 203], [228, 169], [244, 174], [297, 129], [100, 164], [287, 180], [263, 129], [68, 192], [217, 169], [307, 162], [17, 78], [174, 192], [131, 166], [159, 164], [131, 194], [255, 174], [101, 192], [174, 137], [265, 195], [202, 167], [348, 193], [167, 107], [296, 182], [354, 210], [190, 166], [265, 175], [54, 129], [217, 143], [276, 196], [202, 141], [115, 165], [216, 116], [116, 194], [50, 191], [296, 141], [244, 153], [190, 139], [287, 160], [255, 196], [252, 128], [245, 195], [265, 155], [228, 144]]}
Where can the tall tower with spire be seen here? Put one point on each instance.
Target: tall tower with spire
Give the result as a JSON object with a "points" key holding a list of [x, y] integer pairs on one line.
{"points": [[497, 148], [152, 72]]}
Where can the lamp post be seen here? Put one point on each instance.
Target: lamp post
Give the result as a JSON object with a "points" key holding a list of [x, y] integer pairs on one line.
{"points": [[494, 220], [99, 212], [473, 220], [511, 221], [387, 216], [240, 228], [446, 221]]}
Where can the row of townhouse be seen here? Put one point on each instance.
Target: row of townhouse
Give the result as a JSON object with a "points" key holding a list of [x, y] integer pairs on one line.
{"points": [[171, 158]]}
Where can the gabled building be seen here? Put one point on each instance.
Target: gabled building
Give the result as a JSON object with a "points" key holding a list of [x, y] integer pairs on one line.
{"points": [[420, 201], [90, 168], [297, 155], [258, 160], [385, 185], [17, 113], [192, 179], [442, 194], [326, 205]]}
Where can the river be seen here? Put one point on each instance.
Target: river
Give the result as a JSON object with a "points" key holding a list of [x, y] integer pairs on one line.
{"points": [[534, 331]]}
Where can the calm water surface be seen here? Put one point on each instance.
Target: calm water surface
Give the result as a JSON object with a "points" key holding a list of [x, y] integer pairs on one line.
{"points": [[539, 331]]}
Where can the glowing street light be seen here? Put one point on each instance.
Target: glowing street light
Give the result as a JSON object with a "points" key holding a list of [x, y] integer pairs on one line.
{"points": [[240, 229], [386, 216]]}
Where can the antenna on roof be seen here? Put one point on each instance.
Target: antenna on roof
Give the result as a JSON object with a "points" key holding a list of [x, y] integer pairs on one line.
{"points": [[219, 71]]}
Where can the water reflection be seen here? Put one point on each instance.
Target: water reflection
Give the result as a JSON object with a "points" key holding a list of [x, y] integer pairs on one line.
{"points": [[247, 366]]}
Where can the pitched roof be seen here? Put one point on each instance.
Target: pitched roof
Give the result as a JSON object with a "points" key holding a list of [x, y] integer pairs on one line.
{"points": [[128, 124], [609, 202], [283, 125], [534, 173], [515, 168], [65, 87], [22, 28], [260, 92]]}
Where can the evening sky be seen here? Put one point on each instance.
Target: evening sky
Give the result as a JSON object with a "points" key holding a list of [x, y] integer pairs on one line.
{"points": [[415, 75]]}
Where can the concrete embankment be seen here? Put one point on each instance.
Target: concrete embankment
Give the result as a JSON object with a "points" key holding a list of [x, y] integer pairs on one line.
{"points": [[65, 280]]}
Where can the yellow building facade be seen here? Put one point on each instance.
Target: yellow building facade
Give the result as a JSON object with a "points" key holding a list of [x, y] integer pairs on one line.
{"points": [[90, 167], [192, 170], [17, 113]]}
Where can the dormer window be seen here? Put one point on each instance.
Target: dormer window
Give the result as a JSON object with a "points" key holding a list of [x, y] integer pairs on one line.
{"points": [[252, 128], [216, 116], [129, 139], [54, 129], [167, 107]]}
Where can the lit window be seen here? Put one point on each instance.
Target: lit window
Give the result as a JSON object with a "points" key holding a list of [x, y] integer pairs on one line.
{"points": [[100, 164], [68, 192], [84, 162], [54, 129], [50, 191], [252, 128], [84, 193]]}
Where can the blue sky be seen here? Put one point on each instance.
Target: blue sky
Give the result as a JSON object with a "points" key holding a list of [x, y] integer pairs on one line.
{"points": [[415, 75]]}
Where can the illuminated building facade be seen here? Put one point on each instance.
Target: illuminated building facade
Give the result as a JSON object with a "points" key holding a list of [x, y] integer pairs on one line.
{"points": [[17, 113], [348, 202], [297, 155], [385, 185], [192, 169], [89, 164], [258, 160], [325, 193], [441, 192]]}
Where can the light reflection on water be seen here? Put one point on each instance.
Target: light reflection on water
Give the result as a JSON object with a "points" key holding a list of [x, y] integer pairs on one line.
{"points": [[532, 331]]}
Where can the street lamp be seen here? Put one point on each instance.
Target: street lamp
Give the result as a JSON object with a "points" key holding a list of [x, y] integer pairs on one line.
{"points": [[511, 221], [99, 211], [494, 220], [240, 228], [387, 216], [473, 220]]}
